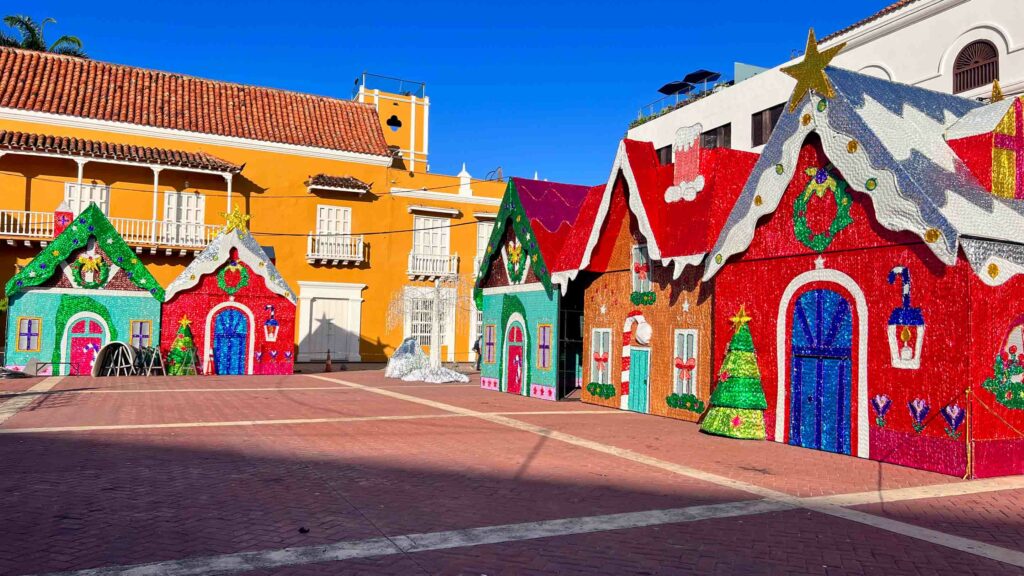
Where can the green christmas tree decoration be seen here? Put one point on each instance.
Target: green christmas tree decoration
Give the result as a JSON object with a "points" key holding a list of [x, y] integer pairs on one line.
{"points": [[181, 360], [738, 402]]}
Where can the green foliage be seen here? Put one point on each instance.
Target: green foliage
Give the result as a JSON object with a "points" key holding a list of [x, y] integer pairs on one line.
{"points": [[643, 298], [605, 391], [31, 37], [1004, 369], [687, 402]]}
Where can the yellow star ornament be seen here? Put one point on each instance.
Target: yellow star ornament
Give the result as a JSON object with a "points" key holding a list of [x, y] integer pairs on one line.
{"points": [[810, 74], [741, 318], [184, 322], [235, 220]]}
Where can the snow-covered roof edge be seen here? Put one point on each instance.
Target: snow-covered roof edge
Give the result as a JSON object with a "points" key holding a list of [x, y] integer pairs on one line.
{"points": [[219, 251]]}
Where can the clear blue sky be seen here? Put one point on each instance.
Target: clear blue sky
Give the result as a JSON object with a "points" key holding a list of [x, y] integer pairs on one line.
{"points": [[532, 85]]}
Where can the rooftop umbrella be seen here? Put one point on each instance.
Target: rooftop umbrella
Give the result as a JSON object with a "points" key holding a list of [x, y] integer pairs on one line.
{"points": [[676, 87]]}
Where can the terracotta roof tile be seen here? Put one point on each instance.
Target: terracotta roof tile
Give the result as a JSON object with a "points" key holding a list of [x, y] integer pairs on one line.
{"points": [[880, 14], [21, 141], [346, 182], [42, 82]]}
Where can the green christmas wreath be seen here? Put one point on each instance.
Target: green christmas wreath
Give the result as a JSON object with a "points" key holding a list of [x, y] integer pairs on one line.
{"points": [[1007, 365], [516, 263], [243, 278], [95, 264], [643, 298], [821, 183]]}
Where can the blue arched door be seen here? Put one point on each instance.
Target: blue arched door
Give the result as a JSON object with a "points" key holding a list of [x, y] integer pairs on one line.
{"points": [[230, 341], [820, 372]]}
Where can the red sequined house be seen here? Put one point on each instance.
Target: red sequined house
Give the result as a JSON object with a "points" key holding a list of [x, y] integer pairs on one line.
{"points": [[241, 309]]}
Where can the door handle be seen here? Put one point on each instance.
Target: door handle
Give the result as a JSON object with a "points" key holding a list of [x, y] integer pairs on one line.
{"points": [[810, 399]]}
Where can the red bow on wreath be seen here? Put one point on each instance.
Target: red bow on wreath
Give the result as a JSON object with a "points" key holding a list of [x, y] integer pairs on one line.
{"points": [[685, 368], [641, 270], [601, 359]]}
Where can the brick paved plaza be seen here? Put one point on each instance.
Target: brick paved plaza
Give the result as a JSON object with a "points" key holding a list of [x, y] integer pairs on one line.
{"points": [[349, 473]]}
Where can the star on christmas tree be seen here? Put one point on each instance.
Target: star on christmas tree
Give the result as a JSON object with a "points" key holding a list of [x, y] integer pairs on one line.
{"points": [[810, 73]]}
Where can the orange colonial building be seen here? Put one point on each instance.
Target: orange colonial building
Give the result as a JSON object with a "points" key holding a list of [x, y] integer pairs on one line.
{"points": [[338, 189]]}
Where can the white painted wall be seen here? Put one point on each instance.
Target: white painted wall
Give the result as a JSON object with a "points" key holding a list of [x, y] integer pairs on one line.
{"points": [[915, 45]]}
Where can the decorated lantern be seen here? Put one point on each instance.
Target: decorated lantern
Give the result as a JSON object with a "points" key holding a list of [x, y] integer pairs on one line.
{"points": [[271, 326], [62, 218], [906, 327]]}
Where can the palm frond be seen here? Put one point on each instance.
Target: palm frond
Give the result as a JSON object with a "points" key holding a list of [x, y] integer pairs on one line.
{"points": [[31, 33], [69, 50], [8, 40], [66, 41]]}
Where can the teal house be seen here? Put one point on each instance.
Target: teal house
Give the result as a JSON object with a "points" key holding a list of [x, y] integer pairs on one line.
{"points": [[85, 289], [532, 342]]}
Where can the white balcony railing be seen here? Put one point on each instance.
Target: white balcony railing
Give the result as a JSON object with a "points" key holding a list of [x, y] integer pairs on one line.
{"points": [[335, 249], [39, 226], [427, 266], [477, 262], [24, 224]]}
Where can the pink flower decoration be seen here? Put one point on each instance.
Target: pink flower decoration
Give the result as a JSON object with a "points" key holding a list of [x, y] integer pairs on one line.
{"points": [[736, 421]]}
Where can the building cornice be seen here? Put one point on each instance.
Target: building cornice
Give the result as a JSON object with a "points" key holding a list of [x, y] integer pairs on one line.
{"points": [[195, 137], [444, 197]]}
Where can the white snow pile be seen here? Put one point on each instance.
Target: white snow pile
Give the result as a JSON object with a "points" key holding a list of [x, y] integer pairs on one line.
{"points": [[411, 365]]}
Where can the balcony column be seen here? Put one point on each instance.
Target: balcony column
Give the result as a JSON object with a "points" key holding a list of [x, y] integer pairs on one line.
{"points": [[156, 192], [81, 168], [228, 177]]}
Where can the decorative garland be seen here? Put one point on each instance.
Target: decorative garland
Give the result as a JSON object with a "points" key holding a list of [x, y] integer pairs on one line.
{"points": [[821, 183], [243, 278], [687, 402], [643, 298], [1007, 365], [605, 391], [95, 264]]}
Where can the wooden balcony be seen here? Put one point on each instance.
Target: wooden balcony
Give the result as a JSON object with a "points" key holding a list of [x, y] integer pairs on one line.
{"points": [[181, 237], [335, 250], [431, 266]]}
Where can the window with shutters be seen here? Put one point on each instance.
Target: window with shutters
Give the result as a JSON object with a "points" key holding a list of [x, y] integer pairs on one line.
{"points": [[720, 137], [762, 123], [684, 362], [430, 236], [184, 217], [333, 226], [600, 362], [79, 196], [641, 269], [975, 66]]}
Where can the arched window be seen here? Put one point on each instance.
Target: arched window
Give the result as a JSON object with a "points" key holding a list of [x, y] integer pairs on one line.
{"points": [[975, 66]]}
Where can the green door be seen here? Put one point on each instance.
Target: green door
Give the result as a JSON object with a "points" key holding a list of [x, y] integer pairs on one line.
{"points": [[639, 376]]}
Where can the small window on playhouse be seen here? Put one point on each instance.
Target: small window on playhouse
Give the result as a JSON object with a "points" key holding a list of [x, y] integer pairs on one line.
{"points": [[29, 330], [641, 269], [490, 341], [600, 360], [544, 338], [684, 362], [141, 333]]}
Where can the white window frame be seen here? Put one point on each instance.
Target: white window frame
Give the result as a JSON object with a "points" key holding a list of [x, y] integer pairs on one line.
{"points": [[131, 331], [640, 250], [431, 227], [342, 225], [421, 320], [415, 294], [79, 196], [596, 336], [677, 385]]}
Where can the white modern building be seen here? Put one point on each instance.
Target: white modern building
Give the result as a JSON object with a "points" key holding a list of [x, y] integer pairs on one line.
{"points": [[956, 46]]}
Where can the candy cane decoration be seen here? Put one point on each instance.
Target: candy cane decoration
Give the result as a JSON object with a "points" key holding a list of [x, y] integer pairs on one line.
{"points": [[633, 319], [904, 273]]}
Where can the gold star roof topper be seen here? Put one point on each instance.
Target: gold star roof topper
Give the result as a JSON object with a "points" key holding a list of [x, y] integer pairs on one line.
{"points": [[235, 220], [741, 318], [810, 73]]}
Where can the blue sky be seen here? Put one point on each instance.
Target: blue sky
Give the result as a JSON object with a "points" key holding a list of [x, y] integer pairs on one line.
{"points": [[532, 85]]}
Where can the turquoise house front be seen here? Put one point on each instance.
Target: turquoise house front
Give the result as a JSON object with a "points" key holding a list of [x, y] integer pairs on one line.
{"points": [[84, 290]]}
